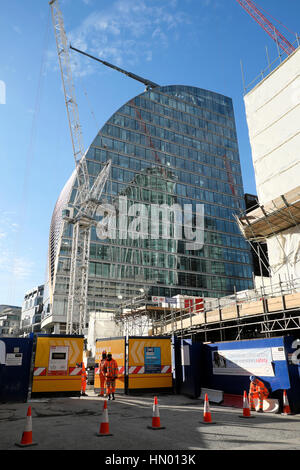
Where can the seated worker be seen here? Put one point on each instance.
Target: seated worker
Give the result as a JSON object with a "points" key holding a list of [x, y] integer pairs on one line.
{"points": [[259, 391]]}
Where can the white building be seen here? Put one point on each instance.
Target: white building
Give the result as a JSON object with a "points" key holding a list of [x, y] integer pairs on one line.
{"points": [[273, 117], [10, 318], [32, 309]]}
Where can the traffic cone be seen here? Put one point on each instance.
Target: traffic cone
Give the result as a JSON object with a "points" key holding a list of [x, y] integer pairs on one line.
{"points": [[155, 417], [207, 414], [104, 426], [27, 434], [246, 407], [286, 406]]}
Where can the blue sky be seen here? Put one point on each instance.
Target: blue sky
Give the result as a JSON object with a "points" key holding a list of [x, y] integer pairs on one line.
{"points": [[190, 42]]}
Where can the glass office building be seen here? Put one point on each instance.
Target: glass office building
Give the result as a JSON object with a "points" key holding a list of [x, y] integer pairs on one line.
{"points": [[168, 145]]}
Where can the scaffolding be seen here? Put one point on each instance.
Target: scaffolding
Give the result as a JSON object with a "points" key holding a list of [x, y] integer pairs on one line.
{"points": [[259, 312], [272, 218]]}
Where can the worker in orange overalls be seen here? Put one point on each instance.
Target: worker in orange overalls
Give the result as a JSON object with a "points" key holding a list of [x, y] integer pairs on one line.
{"points": [[257, 390], [110, 369], [83, 381], [102, 375]]}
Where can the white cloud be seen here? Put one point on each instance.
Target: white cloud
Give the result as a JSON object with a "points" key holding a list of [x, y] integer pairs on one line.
{"points": [[126, 32], [19, 267]]}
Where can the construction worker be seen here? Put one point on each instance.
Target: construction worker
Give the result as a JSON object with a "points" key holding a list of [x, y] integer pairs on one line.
{"points": [[102, 375], [110, 369], [83, 380], [259, 391]]}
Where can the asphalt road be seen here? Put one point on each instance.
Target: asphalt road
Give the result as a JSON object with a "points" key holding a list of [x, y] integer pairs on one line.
{"points": [[73, 424]]}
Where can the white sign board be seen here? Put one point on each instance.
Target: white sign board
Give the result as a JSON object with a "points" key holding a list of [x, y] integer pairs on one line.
{"points": [[278, 353], [58, 360], [14, 359], [256, 361]]}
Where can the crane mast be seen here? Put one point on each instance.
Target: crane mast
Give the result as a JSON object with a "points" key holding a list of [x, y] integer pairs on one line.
{"points": [[87, 200]]}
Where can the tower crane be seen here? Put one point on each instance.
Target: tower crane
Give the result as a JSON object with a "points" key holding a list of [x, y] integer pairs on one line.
{"points": [[87, 200], [252, 9]]}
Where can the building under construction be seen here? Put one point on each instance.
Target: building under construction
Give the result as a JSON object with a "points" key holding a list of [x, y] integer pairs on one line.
{"points": [[271, 226], [177, 145], [172, 145]]}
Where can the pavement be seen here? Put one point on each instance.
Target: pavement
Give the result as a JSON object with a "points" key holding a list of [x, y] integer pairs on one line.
{"points": [[73, 424]]}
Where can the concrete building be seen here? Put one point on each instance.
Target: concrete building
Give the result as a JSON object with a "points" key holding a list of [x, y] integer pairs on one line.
{"points": [[10, 319], [169, 145], [32, 309], [273, 116]]}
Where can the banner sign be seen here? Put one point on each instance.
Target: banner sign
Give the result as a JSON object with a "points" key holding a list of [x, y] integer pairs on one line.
{"points": [[256, 361], [158, 300], [152, 358], [171, 300]]}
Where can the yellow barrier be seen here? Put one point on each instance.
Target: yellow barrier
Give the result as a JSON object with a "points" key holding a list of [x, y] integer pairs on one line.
{"points": [[56, 365], [149, 363], [117, 348]]}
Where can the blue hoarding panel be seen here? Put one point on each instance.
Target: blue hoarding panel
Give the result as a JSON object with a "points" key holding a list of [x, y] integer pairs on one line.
{"points": [[191, 368], [228, 366], [15, 363]]}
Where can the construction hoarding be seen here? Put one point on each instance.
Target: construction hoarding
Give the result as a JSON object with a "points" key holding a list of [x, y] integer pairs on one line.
{"points": [[57, 365], [15, 362], [144, 363], [116, 346], [149, 363]]}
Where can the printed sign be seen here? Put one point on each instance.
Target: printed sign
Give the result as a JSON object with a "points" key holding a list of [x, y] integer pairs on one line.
{"points": [[152, 360], [278, 354], [14, 359], [170, 300], [158, 300], [58, 360], [256, 361]]}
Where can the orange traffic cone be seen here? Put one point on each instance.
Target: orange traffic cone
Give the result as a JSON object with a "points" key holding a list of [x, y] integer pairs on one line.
{"points": [[27, 434], [155, 416], [286, 405], [246, 407], [104, 426], [207, 414]]}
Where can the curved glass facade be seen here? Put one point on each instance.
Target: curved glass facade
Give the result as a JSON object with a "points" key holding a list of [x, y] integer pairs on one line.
{"points": [[169, 145]]}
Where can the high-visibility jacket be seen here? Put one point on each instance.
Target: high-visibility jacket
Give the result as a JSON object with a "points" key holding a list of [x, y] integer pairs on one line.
{"points": [[258, 387], [101, 367], [83, 373], [110, 368]]}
